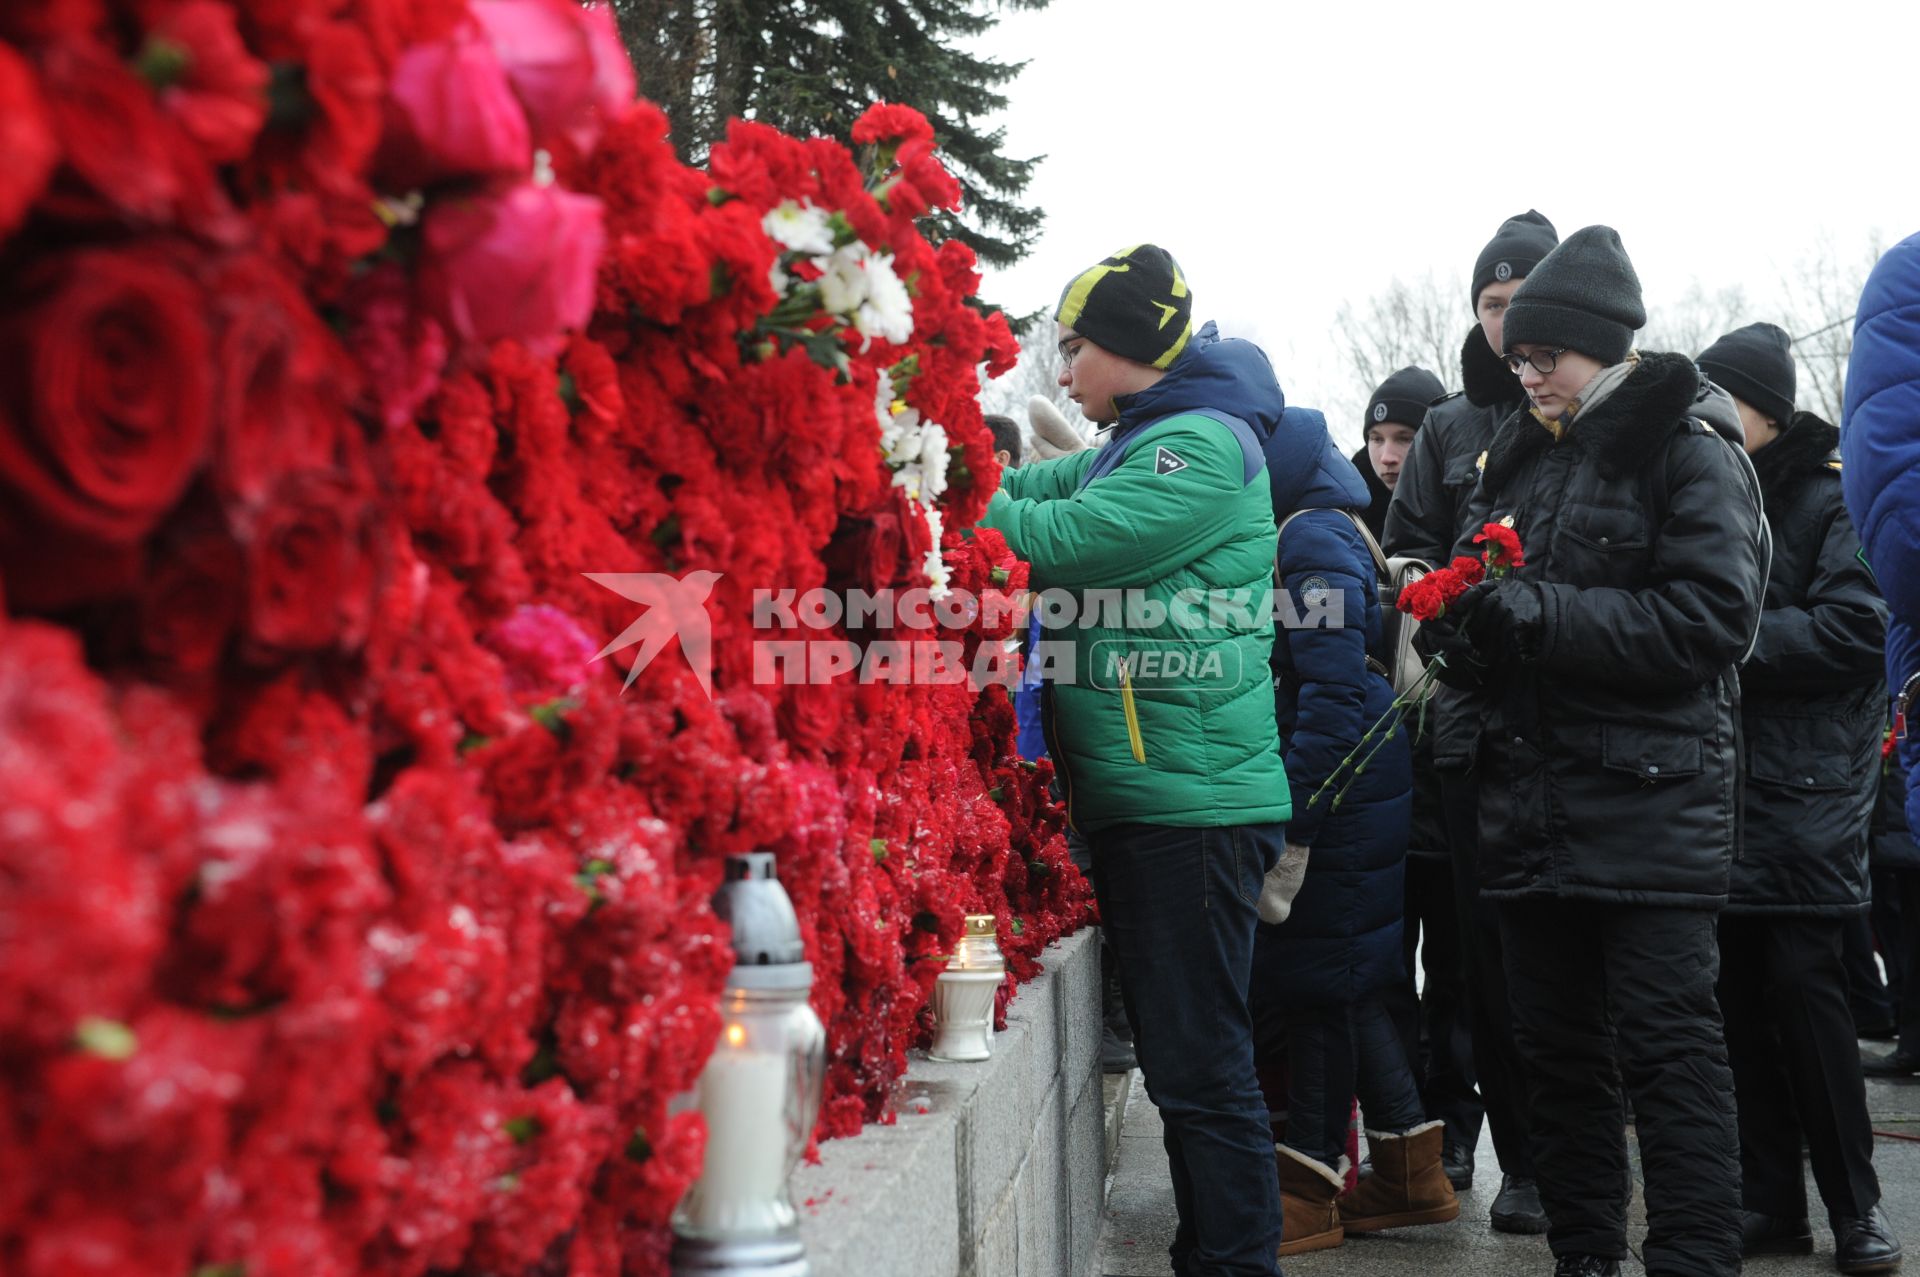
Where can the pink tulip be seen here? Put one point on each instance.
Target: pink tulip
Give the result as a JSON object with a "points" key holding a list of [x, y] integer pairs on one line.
{"points": [[451, 113], [567, 65], [515, 262]]}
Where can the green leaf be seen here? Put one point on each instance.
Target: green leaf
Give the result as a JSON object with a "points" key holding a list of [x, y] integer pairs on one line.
{"points": [[667, 532], [552, 715], [162, 62], [718, 195], [569, 391], [997, 792], [473, 740], [639, 1148], [108, 1039], [1019, 925], [588, 879], [878, 848], [522, 1129], [235, 1269]]}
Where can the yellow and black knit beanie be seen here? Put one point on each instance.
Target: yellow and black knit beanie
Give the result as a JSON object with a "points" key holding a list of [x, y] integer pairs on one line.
{"points": [[1135, 303]]}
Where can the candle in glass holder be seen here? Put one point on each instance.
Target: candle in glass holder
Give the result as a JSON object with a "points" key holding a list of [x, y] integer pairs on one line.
{"points": [[963, 995]]}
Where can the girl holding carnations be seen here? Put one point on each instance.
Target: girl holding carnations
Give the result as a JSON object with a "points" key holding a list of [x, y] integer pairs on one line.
{"points": [[1604, 698]]}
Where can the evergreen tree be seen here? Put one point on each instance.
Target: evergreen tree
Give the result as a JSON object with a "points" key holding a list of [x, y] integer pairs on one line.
{"points": [[812, 66]]}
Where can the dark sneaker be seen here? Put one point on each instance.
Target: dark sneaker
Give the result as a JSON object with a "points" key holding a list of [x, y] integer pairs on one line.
{"points": [[1517, 1209]]}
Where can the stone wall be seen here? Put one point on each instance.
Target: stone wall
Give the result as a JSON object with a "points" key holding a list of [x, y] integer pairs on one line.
{"points": [[996, 1169]]}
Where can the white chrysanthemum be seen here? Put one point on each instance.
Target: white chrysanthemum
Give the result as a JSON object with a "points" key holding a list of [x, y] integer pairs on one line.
{"points": [[888, 310], [936, 563], [799, 227], [904, 441], [843, 284], [933, 461]]}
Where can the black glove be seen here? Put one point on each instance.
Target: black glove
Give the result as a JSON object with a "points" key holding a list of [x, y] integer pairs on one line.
{"points": [[1444, 639], [1502, 619]]}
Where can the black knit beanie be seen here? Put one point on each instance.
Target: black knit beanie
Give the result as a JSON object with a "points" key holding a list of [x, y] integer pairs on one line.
{"points": [[1135, 303], [1583, 295], [1515, 249], [1402, 399], [1755, 364]]}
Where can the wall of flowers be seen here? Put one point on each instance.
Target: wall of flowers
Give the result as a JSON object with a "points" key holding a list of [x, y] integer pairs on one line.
{"points": [[353, 903]]}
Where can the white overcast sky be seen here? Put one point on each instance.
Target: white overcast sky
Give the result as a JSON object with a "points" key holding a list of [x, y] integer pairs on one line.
{"points": [[1294, 155]]}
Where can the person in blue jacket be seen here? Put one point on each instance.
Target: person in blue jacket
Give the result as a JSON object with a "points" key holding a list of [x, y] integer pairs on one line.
{"points": [[1321, 973], [1880, 472]]}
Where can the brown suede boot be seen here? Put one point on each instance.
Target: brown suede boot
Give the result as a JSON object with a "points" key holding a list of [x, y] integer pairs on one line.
{"points": [[1309, 1220], [1408, 1185]]}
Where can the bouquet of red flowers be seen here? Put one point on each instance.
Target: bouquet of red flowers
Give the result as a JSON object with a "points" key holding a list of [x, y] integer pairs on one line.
{"points": [[1428, 598]]}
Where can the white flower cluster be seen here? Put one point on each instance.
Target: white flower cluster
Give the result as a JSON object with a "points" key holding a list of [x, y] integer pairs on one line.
{"points": [[857, 285], [915, 449]]}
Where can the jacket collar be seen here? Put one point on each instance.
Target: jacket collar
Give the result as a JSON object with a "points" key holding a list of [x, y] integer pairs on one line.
{"points": [[1485, 376], [1622, 433], [1801, 451]]}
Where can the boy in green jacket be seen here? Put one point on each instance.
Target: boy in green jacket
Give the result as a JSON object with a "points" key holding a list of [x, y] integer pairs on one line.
{"points": [[1155, 556]]}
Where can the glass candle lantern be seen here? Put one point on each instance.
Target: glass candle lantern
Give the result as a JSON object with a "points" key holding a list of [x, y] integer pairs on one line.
{"points": [[760, 1091], [963, 994]]}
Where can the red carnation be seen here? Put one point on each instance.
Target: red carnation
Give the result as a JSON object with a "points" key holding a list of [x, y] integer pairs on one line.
{"points": [[1426, 599], [889, 122], [1469, 569], [205, 79], [1503, 548], [310, 564]]}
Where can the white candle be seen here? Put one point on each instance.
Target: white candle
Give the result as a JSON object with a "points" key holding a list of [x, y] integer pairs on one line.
{"points": [[742, 1188]]}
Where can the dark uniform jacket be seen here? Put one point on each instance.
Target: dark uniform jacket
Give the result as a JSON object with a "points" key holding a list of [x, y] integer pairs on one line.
{"points": [[1812, 705], [1607, 752]]}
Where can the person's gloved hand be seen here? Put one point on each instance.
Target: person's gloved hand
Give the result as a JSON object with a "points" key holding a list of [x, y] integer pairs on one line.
{"points": [[1282, 884], [1053, 435], [1446, 638], [1502, 618]]}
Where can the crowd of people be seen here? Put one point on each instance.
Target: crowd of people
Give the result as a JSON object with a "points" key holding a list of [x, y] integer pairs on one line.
{"points": [[1642, 824]]}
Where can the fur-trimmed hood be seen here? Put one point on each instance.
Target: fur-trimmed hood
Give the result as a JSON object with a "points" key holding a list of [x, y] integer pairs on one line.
{"points": [[1801, 451], [1623, 431]]}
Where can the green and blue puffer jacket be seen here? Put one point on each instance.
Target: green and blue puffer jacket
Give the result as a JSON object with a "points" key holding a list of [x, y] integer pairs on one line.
{"points": [[1168, 720]]}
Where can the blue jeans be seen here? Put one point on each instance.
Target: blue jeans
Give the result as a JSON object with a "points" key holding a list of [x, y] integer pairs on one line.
{"points": [[1178, 905]]}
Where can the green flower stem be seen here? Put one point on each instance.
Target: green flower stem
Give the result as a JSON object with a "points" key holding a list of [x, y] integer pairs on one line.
{"points": [[1389, 721]]}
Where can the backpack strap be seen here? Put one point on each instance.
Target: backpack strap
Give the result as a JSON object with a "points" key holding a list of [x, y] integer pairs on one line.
{"points": [[1381, 570]]}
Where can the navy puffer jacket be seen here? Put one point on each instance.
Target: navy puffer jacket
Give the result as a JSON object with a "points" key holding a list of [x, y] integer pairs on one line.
{"points": [[1342, 939]]}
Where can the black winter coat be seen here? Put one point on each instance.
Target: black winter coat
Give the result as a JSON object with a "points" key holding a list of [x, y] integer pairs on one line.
{"points": [[1429, 510], [1607, 754], [1813, 699]]}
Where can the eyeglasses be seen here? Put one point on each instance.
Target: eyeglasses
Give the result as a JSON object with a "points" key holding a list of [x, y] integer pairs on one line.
{"points": [[1070, 349], [1516, 363]]}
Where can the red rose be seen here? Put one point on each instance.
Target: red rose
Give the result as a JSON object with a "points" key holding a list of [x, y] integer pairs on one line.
{"points": [[451, 113], [205, 78], [105, 401], [516, 263], [310, 564], [1503, 547], [279, 401], [26, 139], [190, 599], [566, 62]]}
